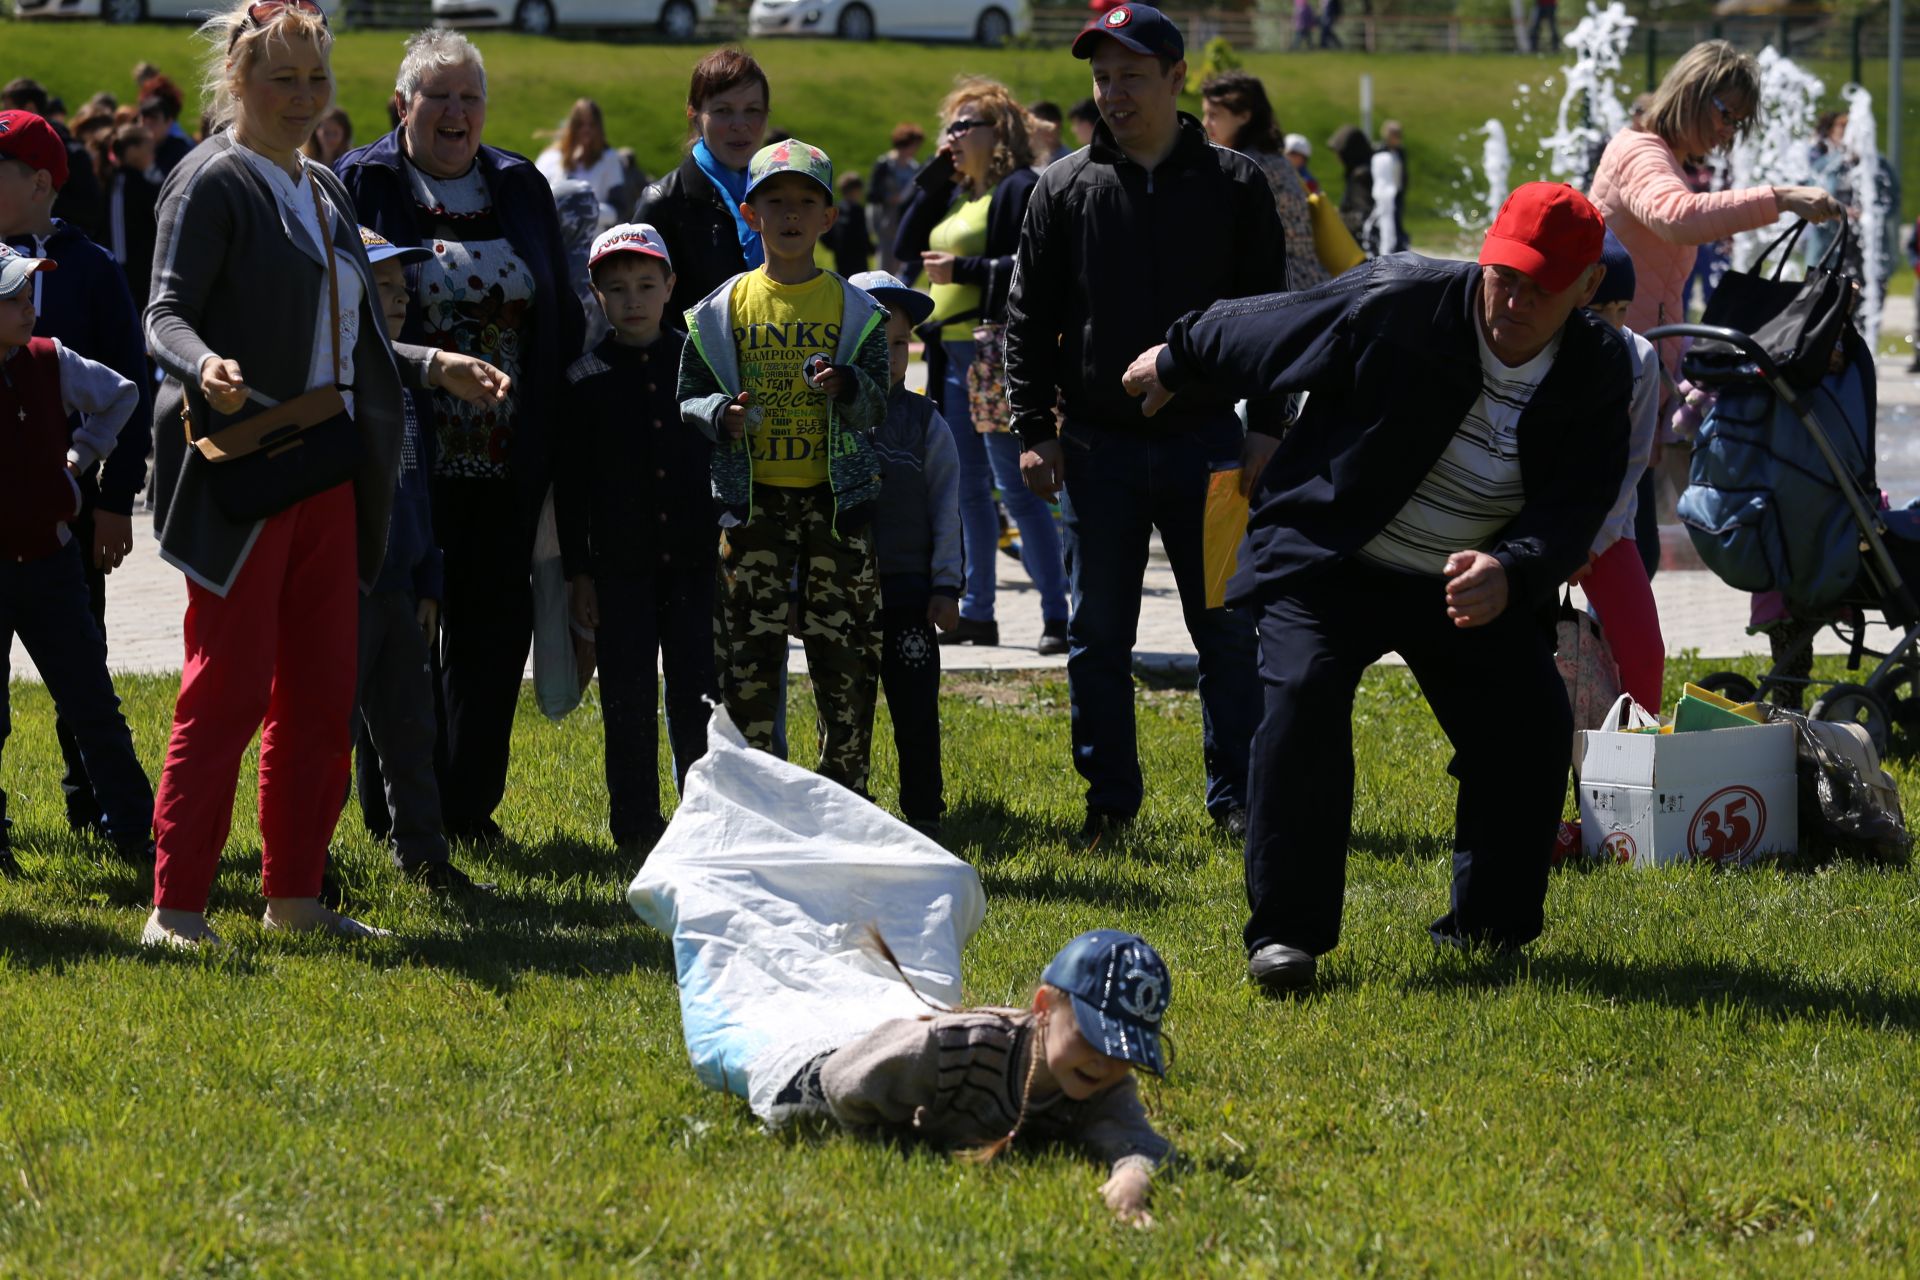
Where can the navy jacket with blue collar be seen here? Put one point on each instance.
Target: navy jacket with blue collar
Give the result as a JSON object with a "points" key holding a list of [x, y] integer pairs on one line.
{"points": [[524, 203], [1390, 354], [86, 304]]}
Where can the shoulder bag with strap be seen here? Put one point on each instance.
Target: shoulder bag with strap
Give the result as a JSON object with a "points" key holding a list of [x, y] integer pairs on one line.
{"points": [[1798, 322], [987, 374], [301, 447]]}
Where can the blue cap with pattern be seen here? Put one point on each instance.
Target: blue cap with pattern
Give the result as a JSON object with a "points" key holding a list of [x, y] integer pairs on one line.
{"points": [[1119, 987]]}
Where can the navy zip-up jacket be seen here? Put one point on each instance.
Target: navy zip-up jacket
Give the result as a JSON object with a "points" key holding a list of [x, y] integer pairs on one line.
{"points": [[86, 304], [558, 334], [414, 563], [1390, 354]]}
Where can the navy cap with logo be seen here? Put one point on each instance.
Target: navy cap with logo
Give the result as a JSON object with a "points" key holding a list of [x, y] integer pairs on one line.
{"points": [[1138, 27], [1119, 987]]}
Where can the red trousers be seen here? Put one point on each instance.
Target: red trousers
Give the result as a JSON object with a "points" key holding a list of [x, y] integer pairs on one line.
{"points": [[279, 647], [1620, 593]]}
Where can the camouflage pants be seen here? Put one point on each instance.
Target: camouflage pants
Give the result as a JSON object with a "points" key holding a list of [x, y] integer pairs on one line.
{"points": [[839, 624]]}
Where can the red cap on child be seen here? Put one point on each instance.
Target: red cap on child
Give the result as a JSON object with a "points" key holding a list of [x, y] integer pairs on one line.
{"points": [[26, 137], [1548, 230]]}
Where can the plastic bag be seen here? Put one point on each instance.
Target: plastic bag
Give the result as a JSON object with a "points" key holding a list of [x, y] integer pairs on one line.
{"points": [[767, 881], [1587, 665], [557, 680]]}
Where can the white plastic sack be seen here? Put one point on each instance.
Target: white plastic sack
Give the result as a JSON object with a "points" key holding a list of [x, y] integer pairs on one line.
{"points": [[557, 685], [766, 880]]}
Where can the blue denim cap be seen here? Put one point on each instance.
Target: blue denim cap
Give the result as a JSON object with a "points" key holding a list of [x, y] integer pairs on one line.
{"points": [[1120, 987], [891, 291]]}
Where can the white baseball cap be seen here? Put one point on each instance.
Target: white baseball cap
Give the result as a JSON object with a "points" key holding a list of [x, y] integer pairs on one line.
{"points": [[16, 269], [1298, 145], [630, 237]]}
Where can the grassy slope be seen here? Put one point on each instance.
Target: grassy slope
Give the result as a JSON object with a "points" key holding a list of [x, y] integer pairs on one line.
{"points": [[1693, 1074], [847, 98]]}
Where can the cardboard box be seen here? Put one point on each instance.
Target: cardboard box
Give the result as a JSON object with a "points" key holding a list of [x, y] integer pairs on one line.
{"points": [[1728, 796]]}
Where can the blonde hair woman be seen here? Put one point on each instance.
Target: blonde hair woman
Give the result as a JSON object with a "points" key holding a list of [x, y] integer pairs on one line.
{"points": [[1709, 98], [963, 226], [580, 152], [262, 294]]}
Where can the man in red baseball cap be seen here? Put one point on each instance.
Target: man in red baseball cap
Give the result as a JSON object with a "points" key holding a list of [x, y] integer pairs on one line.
{"points": [[31, 141], [1464, 436]]}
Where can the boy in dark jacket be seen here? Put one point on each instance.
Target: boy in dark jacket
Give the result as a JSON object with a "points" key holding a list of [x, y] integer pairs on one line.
{"points": [[916, 535], [399, 626], [849, 239], [132, 196], [87, 306], [43, 594], [636, 531]]}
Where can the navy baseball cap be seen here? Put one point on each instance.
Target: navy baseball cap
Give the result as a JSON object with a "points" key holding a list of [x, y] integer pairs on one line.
{"points": [[1119, 987], [1138, 27], [891, 291]]}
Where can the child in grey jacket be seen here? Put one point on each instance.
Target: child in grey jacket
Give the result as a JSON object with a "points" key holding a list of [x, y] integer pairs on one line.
{"points": [[916, 531], [975, 1079]]}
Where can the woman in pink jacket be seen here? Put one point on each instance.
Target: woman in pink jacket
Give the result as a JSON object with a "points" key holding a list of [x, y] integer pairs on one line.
{"points": [[1709, 97]]}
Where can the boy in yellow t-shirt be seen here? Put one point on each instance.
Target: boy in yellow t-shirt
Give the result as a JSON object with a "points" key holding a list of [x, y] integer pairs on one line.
{"points": [[785, 369]]}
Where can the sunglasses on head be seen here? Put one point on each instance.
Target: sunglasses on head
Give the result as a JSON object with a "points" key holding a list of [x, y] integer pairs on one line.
{"points": [[959, 127], [259, 15]]}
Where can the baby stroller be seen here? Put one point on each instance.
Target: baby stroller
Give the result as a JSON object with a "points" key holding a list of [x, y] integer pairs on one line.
{"points": [[1781, 497]]}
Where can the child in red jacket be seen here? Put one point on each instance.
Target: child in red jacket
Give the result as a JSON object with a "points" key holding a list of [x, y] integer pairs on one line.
{"points": [[43, 591]]}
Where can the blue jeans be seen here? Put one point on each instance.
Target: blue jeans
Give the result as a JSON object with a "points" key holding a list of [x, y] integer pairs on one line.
{"points": [[1119, 488], [986, 461], [45, 603]]}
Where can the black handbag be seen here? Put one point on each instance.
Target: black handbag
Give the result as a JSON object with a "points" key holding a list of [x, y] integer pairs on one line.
{"points": [[301, 447], [1797, 322]]}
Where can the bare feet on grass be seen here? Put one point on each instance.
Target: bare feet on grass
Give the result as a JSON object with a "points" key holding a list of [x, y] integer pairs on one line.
{"points": [[186, 930], [306, 915]]}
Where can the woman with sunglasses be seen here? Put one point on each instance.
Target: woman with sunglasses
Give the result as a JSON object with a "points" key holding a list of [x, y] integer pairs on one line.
{"points": [[1641, 187], [497, 287], [963, 226], [262, 294], [696, 208]]}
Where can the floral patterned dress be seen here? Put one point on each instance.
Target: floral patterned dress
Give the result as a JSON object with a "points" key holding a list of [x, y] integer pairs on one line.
{"points": [[1296, 219]]}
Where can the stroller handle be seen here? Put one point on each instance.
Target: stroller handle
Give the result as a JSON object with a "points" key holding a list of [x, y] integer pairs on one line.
{"points": [[1743, 342]]}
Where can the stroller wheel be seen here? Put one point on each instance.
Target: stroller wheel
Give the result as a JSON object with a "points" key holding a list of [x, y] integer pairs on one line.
{"points": [[1856, 704], [1729, 684], [1900, 690]]}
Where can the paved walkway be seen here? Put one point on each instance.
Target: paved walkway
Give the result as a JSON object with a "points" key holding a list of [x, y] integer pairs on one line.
{"points": [[146, 598]]}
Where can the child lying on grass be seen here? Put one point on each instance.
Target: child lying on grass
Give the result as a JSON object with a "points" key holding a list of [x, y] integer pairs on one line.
{"points": [[974, 1079]]}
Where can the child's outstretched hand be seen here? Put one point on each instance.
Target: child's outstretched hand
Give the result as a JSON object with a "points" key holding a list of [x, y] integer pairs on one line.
{"points": [[475, 381], [1126, 1194], [943, 612], [733, 419]]}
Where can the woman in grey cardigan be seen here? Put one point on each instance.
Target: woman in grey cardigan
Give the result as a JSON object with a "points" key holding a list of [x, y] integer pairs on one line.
{"points": [[241, 307]]}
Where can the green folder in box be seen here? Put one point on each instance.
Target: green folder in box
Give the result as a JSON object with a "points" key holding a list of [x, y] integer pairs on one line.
{"points": [[1691, 714]]}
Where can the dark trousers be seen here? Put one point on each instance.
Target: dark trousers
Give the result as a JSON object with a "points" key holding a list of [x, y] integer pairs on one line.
{"points": [[1549, 15], [1646, 523], [83, 808], [648, 621], [910, 674], [486, 630], [45, 603], [394, 730], [1499, 700], [1119, 489]]}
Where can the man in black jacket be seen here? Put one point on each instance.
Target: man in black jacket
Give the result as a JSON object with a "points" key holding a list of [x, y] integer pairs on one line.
{"points": [[1147, 223], [1464, 435]]}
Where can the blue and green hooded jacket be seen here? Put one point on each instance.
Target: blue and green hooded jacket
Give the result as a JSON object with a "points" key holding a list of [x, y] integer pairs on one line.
{"points": [[710, 379]]}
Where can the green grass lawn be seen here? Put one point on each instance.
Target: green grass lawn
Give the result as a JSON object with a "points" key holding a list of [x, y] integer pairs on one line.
{"points": [[1691, 1074], [847, 98]]}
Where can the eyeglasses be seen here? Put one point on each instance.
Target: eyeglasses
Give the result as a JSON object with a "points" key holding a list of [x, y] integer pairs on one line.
{"points": [[266, 11], [1726, 115], [959, 128]]}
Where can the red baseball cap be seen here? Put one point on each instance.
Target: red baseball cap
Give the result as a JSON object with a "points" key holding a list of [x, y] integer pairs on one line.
{"points": [[24, 136], [1548, 230]]}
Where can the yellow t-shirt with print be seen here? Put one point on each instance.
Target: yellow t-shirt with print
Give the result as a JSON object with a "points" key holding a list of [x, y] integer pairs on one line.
{"points": [[777, 328]]}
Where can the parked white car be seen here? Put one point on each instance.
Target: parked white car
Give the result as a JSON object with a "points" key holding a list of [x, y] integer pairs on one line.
{"points": [[988, 22], [673, 19], [130, 10]]}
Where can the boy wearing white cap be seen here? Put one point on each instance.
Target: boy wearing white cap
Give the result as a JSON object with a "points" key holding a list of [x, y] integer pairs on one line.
{"points": [[636, 527], [43, 590]]}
